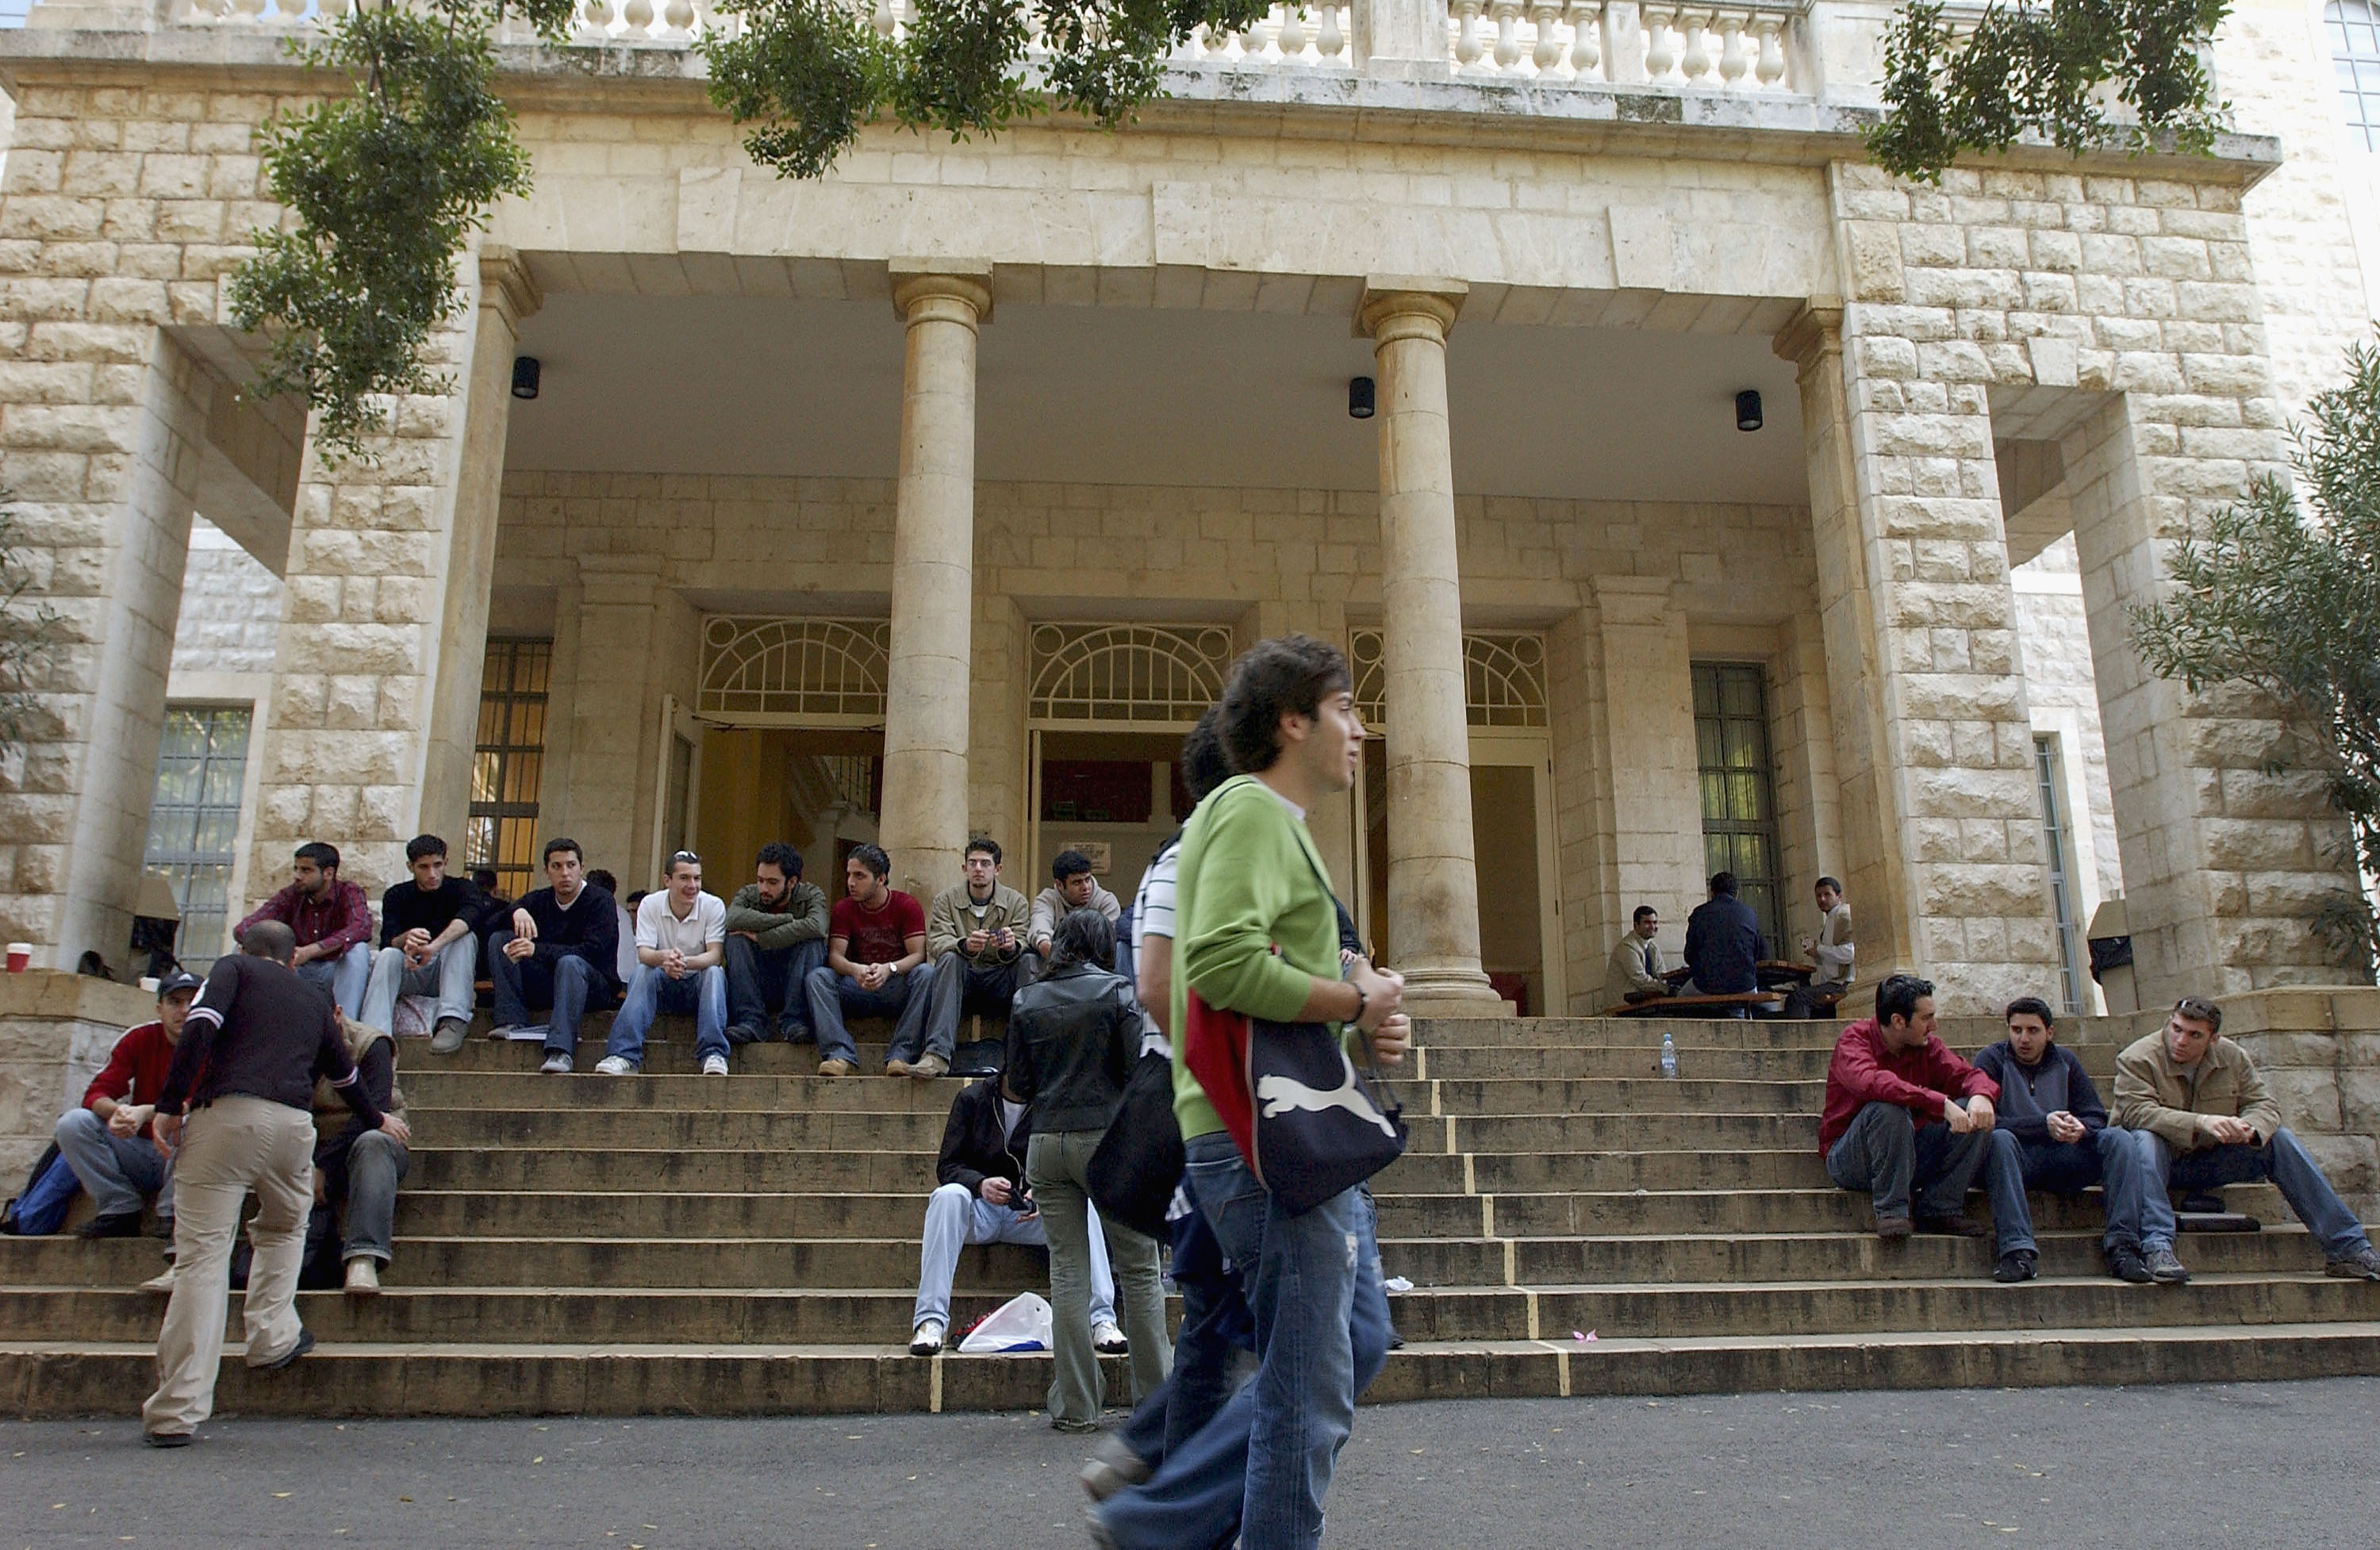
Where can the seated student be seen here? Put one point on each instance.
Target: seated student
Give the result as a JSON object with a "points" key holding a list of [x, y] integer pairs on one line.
{"points": [[1906, 1116], [624, 920], [975, 939], [979, 1197], [1832, 949], [106, 1139], [1637, 972], [559, 952], [332, 923], [484, 879], [428, 945], [1072, 887], [776, 935], [2203, 1119], [875, 964], [1723, 943], [356, 1171], [681, 952], [2051, 1133]]}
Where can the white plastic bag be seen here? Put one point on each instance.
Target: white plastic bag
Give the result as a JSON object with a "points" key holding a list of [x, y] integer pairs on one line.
{"points": [[1022, 1323]]}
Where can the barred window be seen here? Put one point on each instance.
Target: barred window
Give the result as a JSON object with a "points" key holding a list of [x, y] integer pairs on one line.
{"points": [[1738, 792], [194, 821], [506, 767], [2354, 29]]}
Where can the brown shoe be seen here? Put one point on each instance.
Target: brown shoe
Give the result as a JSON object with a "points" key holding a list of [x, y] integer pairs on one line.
{"points": [[931, 1066], [836, 1068], [896, 1067], [1893, 1229], [1951, 1227]]}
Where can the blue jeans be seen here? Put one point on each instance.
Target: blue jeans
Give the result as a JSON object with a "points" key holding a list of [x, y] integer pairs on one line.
{"points": [[569, 984], [342, 977], [956, 1217], [116, 1169], [2281, 1159], [1264, 1463], [1889, 1153], [905, 996], [450, 977], [1216, 1327], [704, 994], [760, 979], [2107, 1157]]}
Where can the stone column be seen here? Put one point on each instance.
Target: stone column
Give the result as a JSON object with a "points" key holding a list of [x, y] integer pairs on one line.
{"points": [[508, 295], [1401, 39], [614, 727], [1647, 742], [941, 304], [1433, 888]]}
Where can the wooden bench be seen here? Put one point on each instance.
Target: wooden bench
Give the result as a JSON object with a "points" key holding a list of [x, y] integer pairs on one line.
{"points": [[1697, 1006]]}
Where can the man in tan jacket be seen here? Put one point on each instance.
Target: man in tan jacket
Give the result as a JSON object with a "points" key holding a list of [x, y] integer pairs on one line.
{"points": [[975, 939], [2204, 1119]]}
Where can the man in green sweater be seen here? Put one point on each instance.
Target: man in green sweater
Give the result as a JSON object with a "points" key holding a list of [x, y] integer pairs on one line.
{"points": [[1257, 933], [776, 935]]}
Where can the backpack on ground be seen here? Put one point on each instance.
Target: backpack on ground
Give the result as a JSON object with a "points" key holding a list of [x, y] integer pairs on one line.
{"points": [[41, 1208]]}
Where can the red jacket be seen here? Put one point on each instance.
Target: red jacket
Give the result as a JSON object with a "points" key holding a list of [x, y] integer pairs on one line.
{"points": [[1863, 1072], [136, 1069]]}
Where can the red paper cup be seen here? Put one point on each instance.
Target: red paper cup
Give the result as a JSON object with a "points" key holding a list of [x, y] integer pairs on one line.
{"points": [[20, 955]]}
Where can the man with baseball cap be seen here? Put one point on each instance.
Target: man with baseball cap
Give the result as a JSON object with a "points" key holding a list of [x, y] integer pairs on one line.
{"points": [[106, 1139]]}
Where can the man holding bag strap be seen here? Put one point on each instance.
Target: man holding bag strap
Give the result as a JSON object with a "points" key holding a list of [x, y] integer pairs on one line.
{"points": [[1257, 932]]}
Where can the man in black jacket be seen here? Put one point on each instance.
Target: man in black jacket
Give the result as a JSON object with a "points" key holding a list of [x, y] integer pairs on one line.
{"points": [[979, 1198], [2051, 1126], [561, 950], [1723, 942]]}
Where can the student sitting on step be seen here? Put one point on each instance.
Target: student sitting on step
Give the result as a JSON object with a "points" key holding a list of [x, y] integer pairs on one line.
{"points": [[356, 1171], [2202, 1118], [1906, 1119], [975, 939], [979, 1197], [558, 952], [875, 966], [776, 935], [1072, 887], [105, 1138], [681, 952], [2051, 1133]]}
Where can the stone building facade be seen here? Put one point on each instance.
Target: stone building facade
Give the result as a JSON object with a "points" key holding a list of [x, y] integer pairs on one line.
{"points": [[931, 498]]}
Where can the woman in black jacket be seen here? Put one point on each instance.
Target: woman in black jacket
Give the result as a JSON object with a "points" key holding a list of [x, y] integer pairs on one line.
{"points": [[1072, 1037]]}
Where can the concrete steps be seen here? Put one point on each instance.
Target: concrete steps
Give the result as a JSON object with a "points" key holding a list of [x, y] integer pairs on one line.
{"points": [[672, 1244]]}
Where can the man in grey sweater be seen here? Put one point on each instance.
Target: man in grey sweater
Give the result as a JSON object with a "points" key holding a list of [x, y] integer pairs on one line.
{"points": [[776, 935], [1072, 887]]}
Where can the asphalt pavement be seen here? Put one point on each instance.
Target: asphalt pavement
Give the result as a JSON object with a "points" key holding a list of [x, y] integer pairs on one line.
{"points": [[2269, 1465]]}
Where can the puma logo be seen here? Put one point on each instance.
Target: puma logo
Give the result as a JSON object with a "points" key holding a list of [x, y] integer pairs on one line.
{"points": [[1280, 1094]]}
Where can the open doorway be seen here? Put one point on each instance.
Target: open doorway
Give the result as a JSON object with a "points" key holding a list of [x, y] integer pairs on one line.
{"points": [[1114, 795], [819, 790]]}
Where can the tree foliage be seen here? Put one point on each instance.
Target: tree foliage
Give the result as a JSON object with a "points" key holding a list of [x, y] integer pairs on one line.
{"points": [[2052, 70], [384, 186], [2291, 606]]}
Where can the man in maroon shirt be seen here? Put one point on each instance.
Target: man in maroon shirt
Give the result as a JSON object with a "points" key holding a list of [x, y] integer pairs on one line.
{"points": [[1906, 1115], [106, 1139], [875, 966], [332, 920]]}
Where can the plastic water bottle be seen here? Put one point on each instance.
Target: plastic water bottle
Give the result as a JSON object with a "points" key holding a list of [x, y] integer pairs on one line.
{"points": [[1668, 1057]]}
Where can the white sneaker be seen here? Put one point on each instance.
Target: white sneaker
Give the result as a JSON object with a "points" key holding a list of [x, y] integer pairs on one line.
{"points": [[556, 1064], [1107, 1338], [363, 1276], [714, 1065], [927, 1340], [617, 1065]]}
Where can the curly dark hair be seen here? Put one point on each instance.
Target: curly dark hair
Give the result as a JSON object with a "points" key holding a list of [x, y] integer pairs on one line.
{"points": [[1274, 678], [1205, 764], [1083, 937]]}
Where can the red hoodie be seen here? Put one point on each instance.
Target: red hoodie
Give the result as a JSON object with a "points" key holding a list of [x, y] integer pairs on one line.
{"points": [[1864, 1072], [136, 1069]]}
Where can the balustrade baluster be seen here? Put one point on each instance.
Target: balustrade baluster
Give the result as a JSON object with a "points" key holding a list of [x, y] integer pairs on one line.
{"points": [[638, 14], [1252, 41], [1731, 62], [598, 16], [1293, 35], [1696, 61], [1508, 37], [1466, 42], [1548, 53], [247, 10], [1770, 68], [677, 17], [1586, 38], [883, 19], [1332, 43], [329, 10], [1658, 58]]}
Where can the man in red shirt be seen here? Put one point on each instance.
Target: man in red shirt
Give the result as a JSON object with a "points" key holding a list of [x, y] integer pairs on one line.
{"points": [[332, 923], [106, 1140], [1905, 1116], [875, 966]]}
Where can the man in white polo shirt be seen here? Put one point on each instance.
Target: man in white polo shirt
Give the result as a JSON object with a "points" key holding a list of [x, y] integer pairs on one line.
{"points": [[681, 954]]}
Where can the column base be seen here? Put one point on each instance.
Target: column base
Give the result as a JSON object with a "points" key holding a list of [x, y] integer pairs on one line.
{"points": [[1452, 993]]}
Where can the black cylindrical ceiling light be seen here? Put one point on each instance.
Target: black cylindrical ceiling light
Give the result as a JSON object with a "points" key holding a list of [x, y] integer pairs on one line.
{"points": [[1359, 398], [525, 375], [1747, 409]]}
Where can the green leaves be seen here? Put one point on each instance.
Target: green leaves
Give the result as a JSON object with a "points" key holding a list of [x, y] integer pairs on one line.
{"points": [[2048, 70], [810, 72], [2291, 606]]}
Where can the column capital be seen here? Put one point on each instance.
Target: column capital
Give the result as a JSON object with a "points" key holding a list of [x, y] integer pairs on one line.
{"points": [[506, 287], [1815, 330], [1401, 306], [952, 290], [618, 580]]}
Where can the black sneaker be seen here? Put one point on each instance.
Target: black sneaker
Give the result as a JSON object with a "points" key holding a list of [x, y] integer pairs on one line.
{"points": [[116, 1224], [2165, 1270], [2200, 1203], [1951, 1227], [2015, 1265], [2363, 1265], [282, 1364], [2126, 1265], [166, 1439]]}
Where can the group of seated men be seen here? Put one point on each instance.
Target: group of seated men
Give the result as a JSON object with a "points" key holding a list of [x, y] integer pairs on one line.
{"points": [[1913, 1124], [1725, 949]]}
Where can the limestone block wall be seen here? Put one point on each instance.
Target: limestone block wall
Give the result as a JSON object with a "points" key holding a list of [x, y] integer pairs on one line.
{"points": [[230, 619], [56, 1032], [2063, 691]]}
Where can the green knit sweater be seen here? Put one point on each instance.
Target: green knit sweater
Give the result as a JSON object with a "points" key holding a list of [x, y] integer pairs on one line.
{"points": [[1250, 880]]}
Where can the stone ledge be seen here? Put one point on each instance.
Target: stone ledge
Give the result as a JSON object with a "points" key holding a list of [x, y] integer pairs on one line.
{"points": [[53, 993]]}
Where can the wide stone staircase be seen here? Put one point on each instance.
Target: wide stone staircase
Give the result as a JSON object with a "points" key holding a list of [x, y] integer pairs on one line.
{"points": [[1572, 1223]]}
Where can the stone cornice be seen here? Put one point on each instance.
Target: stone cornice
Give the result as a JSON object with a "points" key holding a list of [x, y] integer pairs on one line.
{"points": [[1204, 99]]}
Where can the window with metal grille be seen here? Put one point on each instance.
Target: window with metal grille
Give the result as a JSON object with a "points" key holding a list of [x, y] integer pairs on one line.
{"points": [[1738, 789], [501, 829], [194, 821], [2354, 29], [2062, 886]]}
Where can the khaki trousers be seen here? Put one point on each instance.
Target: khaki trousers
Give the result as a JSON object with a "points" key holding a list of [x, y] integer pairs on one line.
{"points": [[228, 1147]]}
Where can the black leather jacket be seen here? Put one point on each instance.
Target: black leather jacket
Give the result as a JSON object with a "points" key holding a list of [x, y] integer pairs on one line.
{"points": [[1072, 1040], [973, 1147]]}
